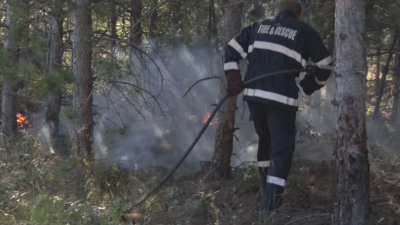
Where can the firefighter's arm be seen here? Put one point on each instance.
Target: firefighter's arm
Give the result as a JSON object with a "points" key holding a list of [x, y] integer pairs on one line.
{"points": [[321, 58], [237, 49]]}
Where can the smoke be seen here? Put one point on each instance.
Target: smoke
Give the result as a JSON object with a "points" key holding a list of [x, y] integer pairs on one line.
{"points": [[155, 125], [144, 120]]}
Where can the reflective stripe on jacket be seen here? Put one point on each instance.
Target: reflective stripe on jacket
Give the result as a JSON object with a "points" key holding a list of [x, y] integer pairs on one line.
{"points": [[271, 45]]}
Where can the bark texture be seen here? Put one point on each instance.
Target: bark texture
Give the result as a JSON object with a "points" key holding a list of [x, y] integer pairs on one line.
{"points": [[82, 56], [55, 64], [9, 91], [226, 117], [353, 206]]}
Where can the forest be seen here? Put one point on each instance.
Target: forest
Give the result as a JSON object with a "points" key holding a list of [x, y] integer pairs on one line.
{"points": [[100, 100]]}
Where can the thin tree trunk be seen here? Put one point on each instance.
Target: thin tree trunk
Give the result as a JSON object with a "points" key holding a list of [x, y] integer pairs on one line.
{"points": [[114, 35], [351, 144], [209, 34], [383, 80], [9, 91], [226, 117], [55, 64], [378, 71], [135, 38], [176, 21], [396, 86], [396, 72], [396, 120], [82, 57], [153, 21], [136, 27]]}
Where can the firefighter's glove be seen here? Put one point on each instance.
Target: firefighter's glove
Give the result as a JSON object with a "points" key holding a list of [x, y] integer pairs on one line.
{"points": [[235, 83], [309, 84]]}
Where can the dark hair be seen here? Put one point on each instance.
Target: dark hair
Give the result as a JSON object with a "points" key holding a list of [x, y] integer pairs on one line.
{"points": [[292, 5]]}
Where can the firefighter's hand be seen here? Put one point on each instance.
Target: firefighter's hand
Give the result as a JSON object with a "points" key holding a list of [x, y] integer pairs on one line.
{"points": [[235, 83], [309, 84]]}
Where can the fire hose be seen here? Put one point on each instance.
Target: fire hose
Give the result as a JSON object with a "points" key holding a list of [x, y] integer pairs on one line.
{"points": [[245, 84]]}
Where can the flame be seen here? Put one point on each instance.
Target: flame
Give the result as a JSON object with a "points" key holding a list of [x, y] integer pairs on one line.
{"points": [[21, 118], [206, 118]]}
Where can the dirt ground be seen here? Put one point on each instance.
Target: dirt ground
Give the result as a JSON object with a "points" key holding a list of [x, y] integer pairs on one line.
{"points": [[309, 197]]}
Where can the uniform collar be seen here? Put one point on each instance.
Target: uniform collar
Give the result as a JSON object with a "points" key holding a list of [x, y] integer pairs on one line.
{"points": [[285, 13]]}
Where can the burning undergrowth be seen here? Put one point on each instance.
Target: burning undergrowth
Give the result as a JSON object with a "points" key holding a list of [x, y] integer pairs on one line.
{"points": [[144, 119], [26, 122]]}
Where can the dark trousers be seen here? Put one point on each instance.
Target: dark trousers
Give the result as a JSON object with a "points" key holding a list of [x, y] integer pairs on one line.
{"points": [[276, 129]]}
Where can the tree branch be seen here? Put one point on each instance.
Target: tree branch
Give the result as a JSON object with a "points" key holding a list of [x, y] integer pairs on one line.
{"points": [[207, 78]]}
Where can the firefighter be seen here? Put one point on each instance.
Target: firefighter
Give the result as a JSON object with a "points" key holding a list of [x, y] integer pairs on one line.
{"points": [[283, 42]]}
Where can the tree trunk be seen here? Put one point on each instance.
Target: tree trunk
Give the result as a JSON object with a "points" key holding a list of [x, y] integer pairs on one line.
{"points": [[351, 144], [55, 64], [330, 86], [396, 80], [9, 91], [153, 22], [210, 22], [396, 72], [383, 80], [176, 22], [82, 57], [114, 35], [378, 71], [136, 27], [226, 117]]}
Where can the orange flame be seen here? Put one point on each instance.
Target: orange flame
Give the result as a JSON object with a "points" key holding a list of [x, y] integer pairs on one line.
{"points": [[21, 118], [206, 118]]}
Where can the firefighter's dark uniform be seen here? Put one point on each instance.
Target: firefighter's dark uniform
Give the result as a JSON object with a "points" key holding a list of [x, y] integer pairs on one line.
{"points": [[270, 45]]}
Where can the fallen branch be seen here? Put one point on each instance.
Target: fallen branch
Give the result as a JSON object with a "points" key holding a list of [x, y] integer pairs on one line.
{"points": [[207, 78]]}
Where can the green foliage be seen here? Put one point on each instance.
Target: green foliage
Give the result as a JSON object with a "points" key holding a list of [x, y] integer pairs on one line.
{"points": [[292, 179], [50, 211], [55, 82], [62, 169], [151, 205], [216, 211], [110, 69], [25, 71], [70, 113], [250, 171], [6, 69], [115, 208], [115, 132]]}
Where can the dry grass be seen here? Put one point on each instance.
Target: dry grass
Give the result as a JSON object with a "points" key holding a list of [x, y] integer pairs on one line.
{"points": [[38, 188]]}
